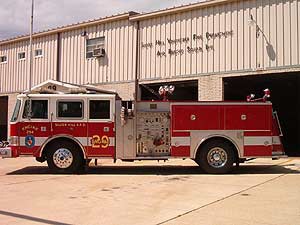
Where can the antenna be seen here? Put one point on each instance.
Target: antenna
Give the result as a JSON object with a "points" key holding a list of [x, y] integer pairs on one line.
{"points": [[31, 57], [30, 46]]}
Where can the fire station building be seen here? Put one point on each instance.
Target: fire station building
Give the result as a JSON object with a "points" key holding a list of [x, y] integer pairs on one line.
{"points": [[211, 51]]}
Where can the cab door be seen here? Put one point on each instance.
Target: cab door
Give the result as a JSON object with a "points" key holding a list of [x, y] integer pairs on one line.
{"points": [[101, 126], [35, 126], [68, 118]]}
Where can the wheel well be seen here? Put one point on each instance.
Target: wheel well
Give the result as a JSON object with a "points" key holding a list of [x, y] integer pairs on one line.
{"points": [[223, 139], [61, 139]]}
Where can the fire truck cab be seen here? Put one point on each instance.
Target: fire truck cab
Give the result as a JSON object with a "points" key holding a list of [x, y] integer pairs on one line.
{"points": [[68, 125]]}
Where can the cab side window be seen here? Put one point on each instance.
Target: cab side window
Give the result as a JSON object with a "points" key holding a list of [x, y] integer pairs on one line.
{"points": [[100, 109], [70, 109], [39, 109]]}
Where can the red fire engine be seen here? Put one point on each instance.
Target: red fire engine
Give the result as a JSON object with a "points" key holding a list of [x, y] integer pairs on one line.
{"points": [[68, 125]]}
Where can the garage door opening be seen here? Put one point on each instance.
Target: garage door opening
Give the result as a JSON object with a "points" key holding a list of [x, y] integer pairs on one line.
{"points": [[285, 96], [3, 118], [184, 90]]}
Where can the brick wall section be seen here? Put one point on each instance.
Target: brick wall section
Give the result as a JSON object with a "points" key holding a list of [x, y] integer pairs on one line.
{"points": [[125, 90], [210, 88]]}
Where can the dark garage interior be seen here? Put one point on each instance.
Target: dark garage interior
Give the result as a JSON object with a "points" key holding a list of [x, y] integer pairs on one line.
{"points": [[3, 117], [184, 90], [285, 96]]}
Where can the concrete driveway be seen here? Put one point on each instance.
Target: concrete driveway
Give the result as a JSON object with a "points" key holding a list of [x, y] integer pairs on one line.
{"points": [[176, 192]]}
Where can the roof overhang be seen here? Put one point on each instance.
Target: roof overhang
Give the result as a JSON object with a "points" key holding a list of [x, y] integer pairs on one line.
{"points": [[179, 9], [70, 27]]}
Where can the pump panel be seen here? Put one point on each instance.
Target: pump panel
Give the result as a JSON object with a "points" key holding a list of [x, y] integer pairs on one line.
{"points": [[153, 134]]}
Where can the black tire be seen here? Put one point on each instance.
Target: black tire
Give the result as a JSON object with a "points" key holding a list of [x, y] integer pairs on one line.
{"points": [[223, 150], [66, 150], [87, 162]]}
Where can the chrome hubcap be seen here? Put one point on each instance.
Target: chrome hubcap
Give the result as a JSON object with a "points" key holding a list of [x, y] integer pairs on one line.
{"points": [[63, 158], [217, 157]]}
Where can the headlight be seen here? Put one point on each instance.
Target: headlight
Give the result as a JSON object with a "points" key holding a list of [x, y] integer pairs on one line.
{"points": [[14, 141]]}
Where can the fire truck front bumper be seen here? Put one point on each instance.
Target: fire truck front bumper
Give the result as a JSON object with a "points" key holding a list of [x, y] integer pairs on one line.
{"points": [[6, 152]]}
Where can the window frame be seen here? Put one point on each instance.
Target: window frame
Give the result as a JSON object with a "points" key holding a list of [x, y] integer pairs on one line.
{"points": [[110, 110], [21, 59], [34, 119], [69, 118], [38, 56], [3, 56], [102, 38]]}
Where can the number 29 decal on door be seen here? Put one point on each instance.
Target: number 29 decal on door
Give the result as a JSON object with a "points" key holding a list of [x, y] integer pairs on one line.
{"points": [[100, 142]]}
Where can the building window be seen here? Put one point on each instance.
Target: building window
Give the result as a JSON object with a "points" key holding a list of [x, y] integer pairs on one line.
{"points": [[3, 59], [92, 44], [38, 53], [100, 109], [70, 109], [39, 109], [21, 55]]}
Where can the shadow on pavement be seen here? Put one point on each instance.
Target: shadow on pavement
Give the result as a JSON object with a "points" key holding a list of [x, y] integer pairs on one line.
{"points": [[160, 170], [31, 218]]}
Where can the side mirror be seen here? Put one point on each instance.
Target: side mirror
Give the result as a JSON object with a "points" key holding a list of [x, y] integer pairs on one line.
{"points": [[28, 108]]}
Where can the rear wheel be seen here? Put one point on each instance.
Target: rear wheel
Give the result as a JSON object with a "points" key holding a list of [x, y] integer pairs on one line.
{"points": [[64, 157], [216, 157]]}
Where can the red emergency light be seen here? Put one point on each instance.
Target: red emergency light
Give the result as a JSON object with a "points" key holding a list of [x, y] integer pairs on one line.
{"points": [[267, 94], [165, 91]]}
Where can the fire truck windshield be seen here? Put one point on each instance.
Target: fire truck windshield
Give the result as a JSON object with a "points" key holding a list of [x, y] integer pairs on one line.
{"points": [[16, 111]]}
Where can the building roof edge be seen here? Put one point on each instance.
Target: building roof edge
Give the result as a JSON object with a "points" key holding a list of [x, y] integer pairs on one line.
{"points": [[69, 27], [178, 9]]}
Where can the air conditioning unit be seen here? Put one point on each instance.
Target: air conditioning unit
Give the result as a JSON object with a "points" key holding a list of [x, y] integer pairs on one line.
{"points": [[98, 52]]}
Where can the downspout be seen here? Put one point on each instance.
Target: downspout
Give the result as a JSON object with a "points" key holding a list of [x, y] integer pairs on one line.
{"points": [[58, 58]]}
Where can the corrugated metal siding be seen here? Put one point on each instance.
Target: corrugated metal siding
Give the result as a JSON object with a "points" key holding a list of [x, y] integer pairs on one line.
{"points": [[14, 75], [277, 46], [118, 64]]}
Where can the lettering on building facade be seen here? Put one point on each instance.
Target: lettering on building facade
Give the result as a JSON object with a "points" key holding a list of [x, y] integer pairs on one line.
{"points": [[187, 40]]}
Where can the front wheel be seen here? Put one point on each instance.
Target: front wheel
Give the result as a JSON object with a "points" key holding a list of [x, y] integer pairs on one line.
{"points": [[216, 157], [64, 157]]}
